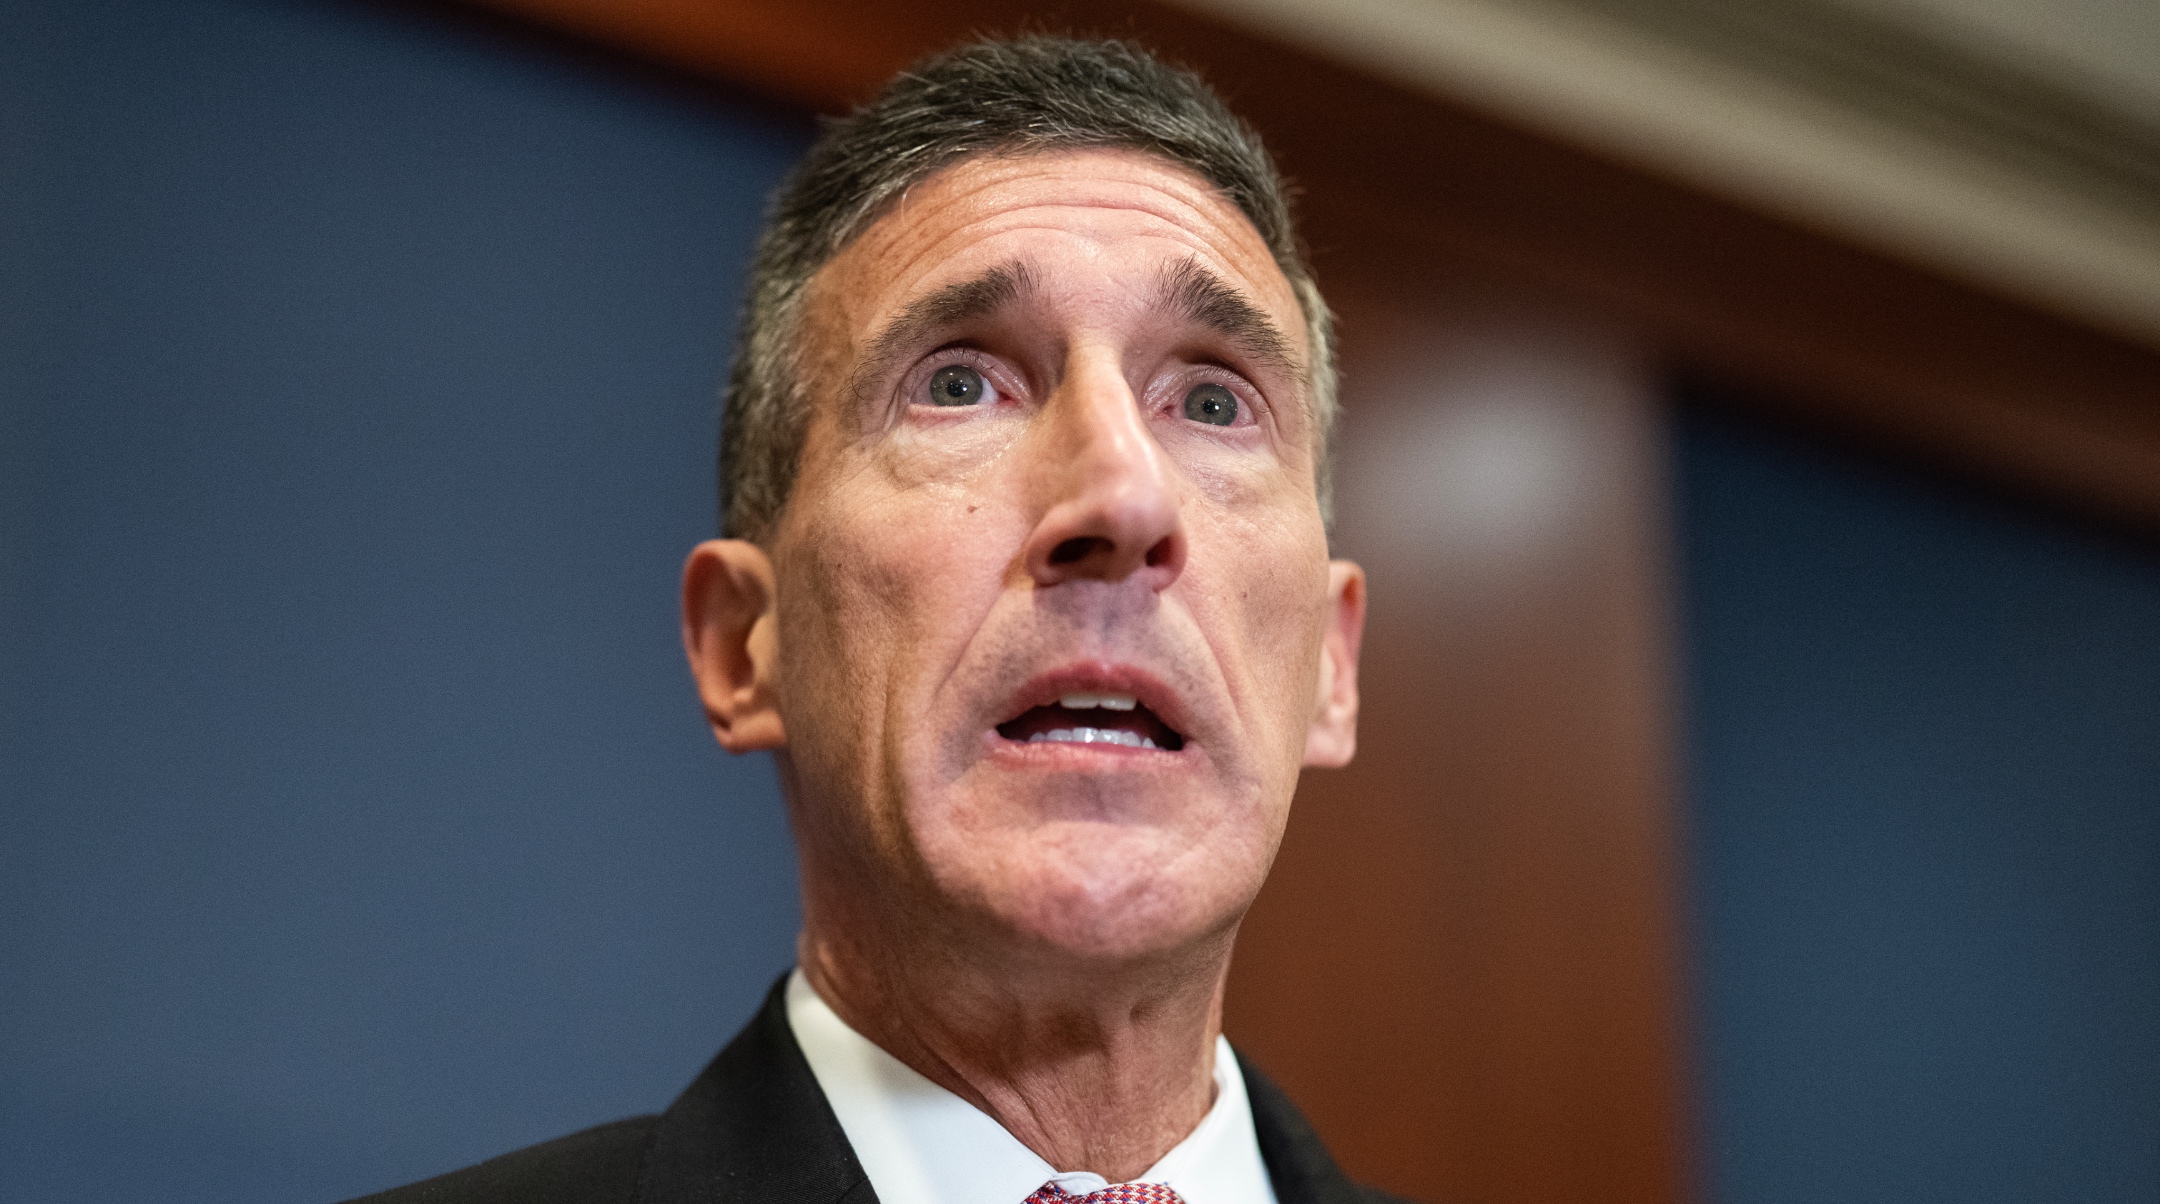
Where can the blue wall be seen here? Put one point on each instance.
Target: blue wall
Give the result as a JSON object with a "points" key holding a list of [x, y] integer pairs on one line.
{"points": [[358, 370], [1926, 779]]}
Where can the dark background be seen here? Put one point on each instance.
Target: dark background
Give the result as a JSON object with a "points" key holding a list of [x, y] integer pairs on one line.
{"points": [[357, 396], [360, 394], [1925, 761]]}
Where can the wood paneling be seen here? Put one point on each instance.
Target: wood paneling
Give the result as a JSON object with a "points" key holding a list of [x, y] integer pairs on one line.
{"points": [[1465, 961], [1465, 964]]}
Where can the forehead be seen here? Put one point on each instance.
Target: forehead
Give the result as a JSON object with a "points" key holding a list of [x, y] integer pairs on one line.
{"points": [[1092, 220]]}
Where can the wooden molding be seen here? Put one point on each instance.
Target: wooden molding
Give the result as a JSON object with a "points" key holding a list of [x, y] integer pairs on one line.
{"points": [[1967, 166], [1847, 55]]}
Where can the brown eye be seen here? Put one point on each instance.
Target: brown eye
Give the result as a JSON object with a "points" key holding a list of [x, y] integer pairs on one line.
{"points": [[1211, 404], [957, 385]]}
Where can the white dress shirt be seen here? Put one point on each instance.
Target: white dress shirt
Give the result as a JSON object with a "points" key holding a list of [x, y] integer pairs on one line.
{"points": [[921, 1144]]}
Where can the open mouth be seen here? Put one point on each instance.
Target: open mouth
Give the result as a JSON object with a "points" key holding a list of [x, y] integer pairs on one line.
{"points": [[1093, 718]]}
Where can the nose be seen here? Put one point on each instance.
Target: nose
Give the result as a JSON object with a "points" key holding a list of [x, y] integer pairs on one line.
{"points": [[1109, 494]]}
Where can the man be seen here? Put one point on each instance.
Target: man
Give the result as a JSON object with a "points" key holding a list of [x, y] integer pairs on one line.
{"points": [[1029, 595]]}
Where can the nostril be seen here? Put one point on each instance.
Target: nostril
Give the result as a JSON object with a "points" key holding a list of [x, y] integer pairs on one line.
{"points": [[1078, 548], [1160, 554]]}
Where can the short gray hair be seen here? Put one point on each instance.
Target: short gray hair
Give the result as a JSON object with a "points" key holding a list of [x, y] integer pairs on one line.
{"points": [[1020, 96]]}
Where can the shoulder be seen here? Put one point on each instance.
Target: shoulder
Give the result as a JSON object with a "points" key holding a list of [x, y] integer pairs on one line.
{"points": [[1302, 1169], [597, 1166], [753, 1128]]}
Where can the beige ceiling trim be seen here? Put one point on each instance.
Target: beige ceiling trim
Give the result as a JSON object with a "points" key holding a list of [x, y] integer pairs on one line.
{"points": [[1878, 138]]}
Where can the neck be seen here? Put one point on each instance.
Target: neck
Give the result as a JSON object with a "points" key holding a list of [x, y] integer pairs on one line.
{"points": [[1094, 1067]]}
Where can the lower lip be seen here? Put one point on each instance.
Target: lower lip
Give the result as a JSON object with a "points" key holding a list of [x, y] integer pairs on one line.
{"points": [[1061, 752]]}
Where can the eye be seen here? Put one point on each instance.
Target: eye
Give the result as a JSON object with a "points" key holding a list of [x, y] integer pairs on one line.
{"points": [[1211, 404], [957, 385]]}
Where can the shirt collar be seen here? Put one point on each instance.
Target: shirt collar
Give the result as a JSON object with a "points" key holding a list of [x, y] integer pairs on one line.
{"points": [[921, 1144]]}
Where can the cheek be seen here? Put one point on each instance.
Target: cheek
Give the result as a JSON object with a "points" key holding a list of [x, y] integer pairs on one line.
{"points": [[935, 458], [879, 596], [1267, 576], [845, 644], [845, 608], [1234, 481]]}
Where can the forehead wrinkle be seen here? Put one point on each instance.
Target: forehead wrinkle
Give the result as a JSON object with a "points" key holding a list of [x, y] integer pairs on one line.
{"points": [[1129, 180], [1133, 182]]}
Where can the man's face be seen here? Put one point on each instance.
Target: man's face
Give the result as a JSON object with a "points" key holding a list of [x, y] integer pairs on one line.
{"points": [[1056, 623]]}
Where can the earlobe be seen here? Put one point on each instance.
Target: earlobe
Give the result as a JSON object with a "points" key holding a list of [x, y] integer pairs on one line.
{"points": [[731, 635], [1332, 739]]}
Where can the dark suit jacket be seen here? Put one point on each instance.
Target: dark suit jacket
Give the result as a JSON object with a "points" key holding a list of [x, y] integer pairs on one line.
{"points": [[755, 1129]]}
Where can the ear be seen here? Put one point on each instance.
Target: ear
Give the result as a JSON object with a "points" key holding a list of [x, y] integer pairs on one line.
{"points": [[1332, 739], [732, 637]]}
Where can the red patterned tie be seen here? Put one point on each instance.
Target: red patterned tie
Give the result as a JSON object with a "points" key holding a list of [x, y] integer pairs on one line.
{"points": [[1122, 1193]]}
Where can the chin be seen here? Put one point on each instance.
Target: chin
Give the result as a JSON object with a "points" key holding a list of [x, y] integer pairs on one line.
{"points": [[1108, 894]]}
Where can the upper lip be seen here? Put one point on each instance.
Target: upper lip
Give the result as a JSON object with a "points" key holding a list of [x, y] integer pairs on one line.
{"points": [[1101, 677]]}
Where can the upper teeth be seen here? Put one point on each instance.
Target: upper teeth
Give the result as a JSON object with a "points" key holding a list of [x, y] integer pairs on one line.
{"points": [[1111, 702]]}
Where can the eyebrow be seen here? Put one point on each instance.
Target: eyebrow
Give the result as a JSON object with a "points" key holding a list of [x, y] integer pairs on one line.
{"points": [[1001, 287], [1185, 290], [1201, 298]]}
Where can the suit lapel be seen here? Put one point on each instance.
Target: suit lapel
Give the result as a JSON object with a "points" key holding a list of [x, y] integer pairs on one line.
{"points": [[754, 1129], [1298, 1165]]}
